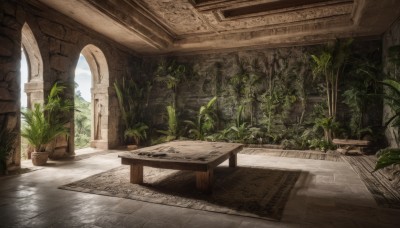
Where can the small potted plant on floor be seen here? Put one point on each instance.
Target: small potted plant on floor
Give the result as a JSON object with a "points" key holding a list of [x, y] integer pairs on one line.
{"points": [[44, 123]]}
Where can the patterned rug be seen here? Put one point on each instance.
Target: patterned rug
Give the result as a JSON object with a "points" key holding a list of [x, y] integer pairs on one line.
{"points": [[315, 155], [246, 191], [377, 183]]}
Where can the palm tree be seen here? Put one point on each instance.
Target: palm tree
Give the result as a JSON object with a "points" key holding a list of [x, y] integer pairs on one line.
{"points": [[38, 130]]}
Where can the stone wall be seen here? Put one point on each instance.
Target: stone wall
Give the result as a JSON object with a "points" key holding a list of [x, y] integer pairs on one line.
{"points": [[391, 38], [11, 18], [55, 43], [286, 68]]}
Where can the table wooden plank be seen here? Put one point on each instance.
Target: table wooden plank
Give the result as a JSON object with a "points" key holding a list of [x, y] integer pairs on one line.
{"points": [[197, 156]]}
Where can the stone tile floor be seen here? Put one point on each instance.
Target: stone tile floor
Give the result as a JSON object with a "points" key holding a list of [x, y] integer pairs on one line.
{"points": [[328, 194]]}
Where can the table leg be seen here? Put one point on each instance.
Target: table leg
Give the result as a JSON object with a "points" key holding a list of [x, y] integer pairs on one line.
{"points": [[136, 174], [233, 160], [204, 181]]}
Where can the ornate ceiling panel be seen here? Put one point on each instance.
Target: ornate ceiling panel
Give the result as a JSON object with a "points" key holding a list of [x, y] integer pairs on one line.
{"points": [[175, 26]]}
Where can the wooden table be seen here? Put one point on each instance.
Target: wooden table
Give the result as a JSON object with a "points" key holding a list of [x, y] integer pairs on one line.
{"points": [[201, 157]]}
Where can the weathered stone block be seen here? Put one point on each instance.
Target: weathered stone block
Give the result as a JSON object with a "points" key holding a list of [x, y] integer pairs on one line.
{"points": [[6, 95], [8, 7], [7, 107], [6, 46], [54, 46], [60, 63], [12, 121], [12, 75], [11, 22], [61, 142], [3, 85], [67, 49], [20, 15], [51, 28], [72, 36]]}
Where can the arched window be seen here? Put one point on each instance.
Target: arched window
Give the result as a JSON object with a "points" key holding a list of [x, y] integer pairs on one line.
{"points": [[99, 96]]}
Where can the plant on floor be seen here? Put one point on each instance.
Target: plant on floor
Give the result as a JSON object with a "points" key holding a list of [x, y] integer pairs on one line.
{"points": [[240, 130], [330, 65], [7, 143], [130, 100], [387, 157], [38, 130], [137, 132], [44, 123], [205, 122], [172, 132]]}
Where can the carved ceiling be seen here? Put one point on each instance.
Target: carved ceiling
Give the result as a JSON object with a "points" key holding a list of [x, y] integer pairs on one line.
{"points": [[174, 26]]}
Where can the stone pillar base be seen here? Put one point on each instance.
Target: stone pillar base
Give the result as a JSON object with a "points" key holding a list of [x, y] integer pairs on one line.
{"points": [[99, 144]]}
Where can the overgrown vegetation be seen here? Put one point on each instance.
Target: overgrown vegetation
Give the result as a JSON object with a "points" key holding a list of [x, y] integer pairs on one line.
{"points": [[82, 121], [44, 123], [289, 97]]}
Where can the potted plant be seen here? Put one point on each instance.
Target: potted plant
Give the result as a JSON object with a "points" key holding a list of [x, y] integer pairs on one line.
{"points": [[44, 123]]}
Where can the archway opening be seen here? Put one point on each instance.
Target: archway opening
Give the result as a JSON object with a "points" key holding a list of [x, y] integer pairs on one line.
{"points": [[31, 81], [82, 99], [92, 70]]}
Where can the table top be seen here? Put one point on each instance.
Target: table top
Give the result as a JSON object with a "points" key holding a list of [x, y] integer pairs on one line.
{"points": [[182, 155]]}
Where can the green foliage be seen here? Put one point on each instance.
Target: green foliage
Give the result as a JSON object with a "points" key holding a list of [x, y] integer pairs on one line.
{"points": [[82, 121], [38, 129], [7, 143], [129, 100], [394, 54], [205, 122], [330, 65], [321, 144], [277, 101], [392, 98], [132, 100], [172, 132], [387, 157], [240, 130], [171, 74], [329, 125], [45, 123], [137, 132]]}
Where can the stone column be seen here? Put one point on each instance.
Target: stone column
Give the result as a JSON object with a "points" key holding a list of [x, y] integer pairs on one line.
{"points": [[11, 19]]}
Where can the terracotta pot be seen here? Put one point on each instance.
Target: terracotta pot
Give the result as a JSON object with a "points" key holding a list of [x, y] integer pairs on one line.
{"points": [[39, 158]]}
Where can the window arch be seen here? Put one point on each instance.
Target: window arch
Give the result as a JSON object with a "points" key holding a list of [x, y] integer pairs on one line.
{"points": [[100, 81], [34, 87]]}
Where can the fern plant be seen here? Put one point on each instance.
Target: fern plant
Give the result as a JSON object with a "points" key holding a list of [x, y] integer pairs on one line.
{"points": [[39, 130], [44, 123], [137, 132]]}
